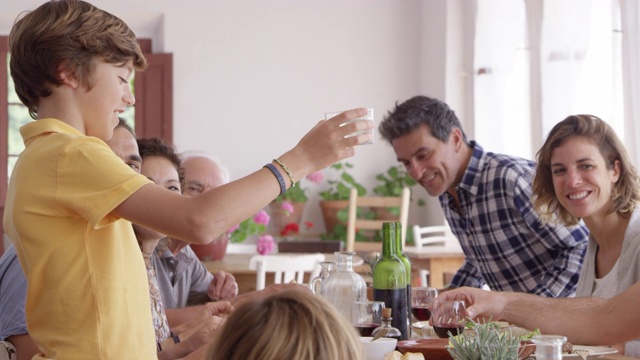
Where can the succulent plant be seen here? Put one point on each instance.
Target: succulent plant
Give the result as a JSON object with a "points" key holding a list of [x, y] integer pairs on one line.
{"points": [[484, 341]]}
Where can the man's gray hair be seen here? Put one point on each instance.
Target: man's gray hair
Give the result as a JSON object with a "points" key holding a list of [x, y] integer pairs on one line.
{"points": [[199, 153]]}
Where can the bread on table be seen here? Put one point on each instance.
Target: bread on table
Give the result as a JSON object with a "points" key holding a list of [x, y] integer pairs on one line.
{"points": [[397, 355]]}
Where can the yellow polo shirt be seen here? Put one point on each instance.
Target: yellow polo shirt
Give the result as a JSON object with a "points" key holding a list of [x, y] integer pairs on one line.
{"points": [[88, 294]]}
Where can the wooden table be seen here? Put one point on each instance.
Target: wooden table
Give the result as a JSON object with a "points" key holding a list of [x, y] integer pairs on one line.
{"points": [[437, 259], [238, 266]]}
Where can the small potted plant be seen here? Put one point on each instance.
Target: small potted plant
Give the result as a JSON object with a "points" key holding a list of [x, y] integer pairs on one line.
{"points": [[392, 182], [288, 208], [255, 225], [335, 199]]}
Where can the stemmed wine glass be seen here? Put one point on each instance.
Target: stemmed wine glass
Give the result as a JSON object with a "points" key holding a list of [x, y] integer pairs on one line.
{"points": [[366, 316], [449, 318], [421, 301]]}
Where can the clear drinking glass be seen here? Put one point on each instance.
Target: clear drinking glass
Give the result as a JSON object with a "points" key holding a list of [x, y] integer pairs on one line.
{"points": [[548, 347], [367, 117], [366, 316], [326, 268], [450, 318], [421, 301]]}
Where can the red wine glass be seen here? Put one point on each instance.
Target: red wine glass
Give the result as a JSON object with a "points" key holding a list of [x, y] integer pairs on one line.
{"points": [[449, 318], [366, 316], [421, 301]]}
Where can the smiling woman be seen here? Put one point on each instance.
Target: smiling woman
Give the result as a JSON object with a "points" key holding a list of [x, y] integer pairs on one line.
{"points": [[584, 173]]}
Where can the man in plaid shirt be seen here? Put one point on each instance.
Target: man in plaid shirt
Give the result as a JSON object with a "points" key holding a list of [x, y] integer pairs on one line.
{"points": [[486, 199]]}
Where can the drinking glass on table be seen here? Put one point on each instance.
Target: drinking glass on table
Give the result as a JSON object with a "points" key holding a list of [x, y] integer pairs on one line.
{"points": [[421, 301], [366, 316], [449, 318]]}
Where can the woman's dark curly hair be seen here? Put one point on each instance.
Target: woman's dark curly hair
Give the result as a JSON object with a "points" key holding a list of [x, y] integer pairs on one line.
{"points": [[157, 147]]}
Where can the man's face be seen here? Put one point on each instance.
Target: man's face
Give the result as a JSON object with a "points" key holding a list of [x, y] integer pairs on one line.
{"points": [[434, 164], [124, 144], [200, 174]]}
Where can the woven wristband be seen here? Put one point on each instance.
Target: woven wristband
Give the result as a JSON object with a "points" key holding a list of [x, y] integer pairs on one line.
{"points": [[276, 173], [286, 170]]}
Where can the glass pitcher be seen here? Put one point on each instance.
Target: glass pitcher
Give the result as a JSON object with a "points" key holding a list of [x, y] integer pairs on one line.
{"points": [[326, 268], [344, 286]]}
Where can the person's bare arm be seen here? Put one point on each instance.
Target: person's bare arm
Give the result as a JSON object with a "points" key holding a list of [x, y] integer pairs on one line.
{"points": [[198, 333], [177, 317], [203, 218], [195, 313], [588, 321], [25, 347]]}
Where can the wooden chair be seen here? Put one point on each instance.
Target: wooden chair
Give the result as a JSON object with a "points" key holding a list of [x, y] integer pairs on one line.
{"points": [[426, 235], [285, 267], [353, 222]]}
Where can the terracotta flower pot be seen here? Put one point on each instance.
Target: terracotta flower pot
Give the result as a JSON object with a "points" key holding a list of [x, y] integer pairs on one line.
{"points": [[212, 251], [282, 218], [330, 210]]}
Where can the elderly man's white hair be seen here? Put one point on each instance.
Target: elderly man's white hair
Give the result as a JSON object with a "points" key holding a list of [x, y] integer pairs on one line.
{"points": [[198, 153]]}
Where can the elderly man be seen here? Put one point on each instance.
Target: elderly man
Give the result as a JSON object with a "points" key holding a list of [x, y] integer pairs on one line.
{"points": [[182, 278], [486, 200]]}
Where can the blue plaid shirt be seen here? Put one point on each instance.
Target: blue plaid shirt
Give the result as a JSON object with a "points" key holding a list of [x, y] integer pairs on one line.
{"points": [[504, 242]]}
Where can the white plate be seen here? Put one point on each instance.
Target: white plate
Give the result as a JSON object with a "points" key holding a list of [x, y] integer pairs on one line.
{"points": [[590, 351]]}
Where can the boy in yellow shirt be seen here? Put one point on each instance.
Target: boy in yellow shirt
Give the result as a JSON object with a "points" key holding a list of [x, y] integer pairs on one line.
{"points": [[70, 200]]}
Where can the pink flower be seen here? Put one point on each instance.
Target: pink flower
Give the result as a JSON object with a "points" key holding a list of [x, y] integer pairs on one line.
{"points": [[262, 218], [315, 177], [287, 206], [265, 244], [234, 228]]}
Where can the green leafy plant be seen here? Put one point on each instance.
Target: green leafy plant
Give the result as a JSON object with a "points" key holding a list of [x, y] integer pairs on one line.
{"points": [[484, 341], [392, 182], [339, 189], [297, 193], [254, 225], [294, 194], [340, 230]]}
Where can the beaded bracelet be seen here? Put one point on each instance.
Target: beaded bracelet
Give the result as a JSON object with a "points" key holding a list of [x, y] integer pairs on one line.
{"points": [[286, 170], [276, 173]]}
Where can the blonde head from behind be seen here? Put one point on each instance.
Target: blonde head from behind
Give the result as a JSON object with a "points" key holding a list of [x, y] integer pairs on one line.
{"points": [[292, 324]]}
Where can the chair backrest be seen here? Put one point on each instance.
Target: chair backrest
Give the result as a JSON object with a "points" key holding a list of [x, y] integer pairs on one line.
{"points": [[353, 222], [286, 267], [425, 235]]}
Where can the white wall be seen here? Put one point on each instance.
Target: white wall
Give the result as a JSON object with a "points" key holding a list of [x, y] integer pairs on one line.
{"points": [[251, 77]]}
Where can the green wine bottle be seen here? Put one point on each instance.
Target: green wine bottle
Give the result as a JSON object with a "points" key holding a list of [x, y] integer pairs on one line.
{"points": [[390, 279], [407, 265]]}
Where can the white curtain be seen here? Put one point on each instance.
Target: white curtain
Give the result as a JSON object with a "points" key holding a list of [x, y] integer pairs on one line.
{"points": [[501, 78], [630, 22]]}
